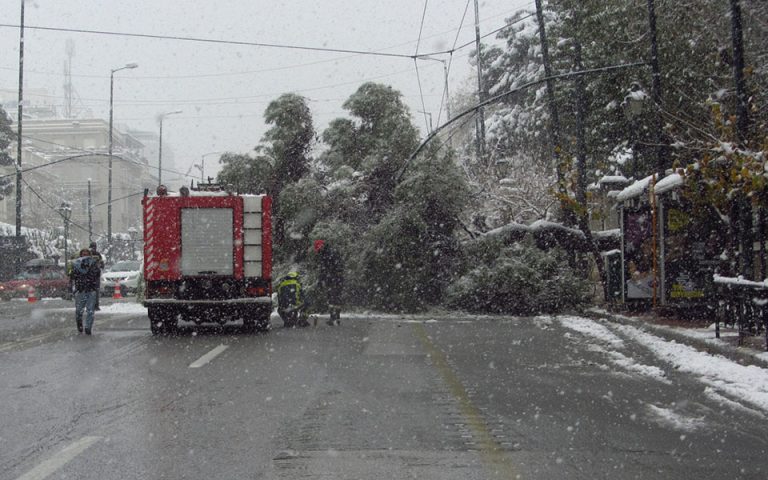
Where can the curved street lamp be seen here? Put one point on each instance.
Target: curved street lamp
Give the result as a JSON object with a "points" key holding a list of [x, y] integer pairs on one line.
{"points": [[109, 178], [160, 146]]}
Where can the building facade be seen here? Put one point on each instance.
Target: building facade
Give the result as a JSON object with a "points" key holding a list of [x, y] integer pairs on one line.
{"points": [[72, 156]]}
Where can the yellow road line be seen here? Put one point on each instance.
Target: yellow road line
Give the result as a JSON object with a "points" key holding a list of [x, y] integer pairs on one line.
{"points": [[26, 341], [35, 340], [491, 451]]}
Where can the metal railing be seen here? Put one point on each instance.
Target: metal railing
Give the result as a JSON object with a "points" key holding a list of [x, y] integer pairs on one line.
{"points": [[743, 304]]}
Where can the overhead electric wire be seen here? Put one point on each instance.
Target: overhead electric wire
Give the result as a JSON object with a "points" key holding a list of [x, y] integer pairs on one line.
{"points": [[416, 65], [421, 94], [234, 100], [270, 45], [238, 100], [225, 42], [421, 27], [468, 44], [136, 194], [209, 40], [498, 97], [83, 153], [248, 72], [44, 202], [450, 57]]}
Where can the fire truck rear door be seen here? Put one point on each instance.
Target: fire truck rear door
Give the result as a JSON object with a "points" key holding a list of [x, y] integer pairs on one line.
{"points": [[207, 241]]}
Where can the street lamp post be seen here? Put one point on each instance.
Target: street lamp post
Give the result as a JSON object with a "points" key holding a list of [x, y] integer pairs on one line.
{"points": [[160, 147], [90, 213], [65, 210], [446, 95], [109, 174], [429, 114], [202, 164]]}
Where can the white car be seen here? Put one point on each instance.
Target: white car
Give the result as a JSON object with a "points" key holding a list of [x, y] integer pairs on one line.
{"points": [[127, 272]]}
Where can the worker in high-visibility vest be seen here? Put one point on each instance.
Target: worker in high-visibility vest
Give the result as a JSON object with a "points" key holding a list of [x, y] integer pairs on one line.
{"points": [[291, 301]]}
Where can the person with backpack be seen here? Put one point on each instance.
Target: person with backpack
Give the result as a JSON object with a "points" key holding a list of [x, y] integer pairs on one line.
{"points": [[85, 275], [291, 301]]}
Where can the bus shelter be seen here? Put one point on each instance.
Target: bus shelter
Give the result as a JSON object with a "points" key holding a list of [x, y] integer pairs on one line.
{"points": [[669, 248]]}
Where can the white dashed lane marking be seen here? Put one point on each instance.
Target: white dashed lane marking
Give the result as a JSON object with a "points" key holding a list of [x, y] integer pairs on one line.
{"points": [[208, 356], [54, 463]]}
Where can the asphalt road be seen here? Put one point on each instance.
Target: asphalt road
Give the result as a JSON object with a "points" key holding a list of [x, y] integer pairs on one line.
{"points": [[380, 396]]}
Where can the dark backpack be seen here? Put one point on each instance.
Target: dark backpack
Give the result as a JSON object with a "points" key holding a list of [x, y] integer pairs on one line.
{"points": [[82, 265]]}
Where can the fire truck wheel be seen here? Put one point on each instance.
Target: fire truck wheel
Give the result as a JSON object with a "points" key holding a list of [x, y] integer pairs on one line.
{"points": [[171, 323], [257, 320], [160, 320], [263, 324]]}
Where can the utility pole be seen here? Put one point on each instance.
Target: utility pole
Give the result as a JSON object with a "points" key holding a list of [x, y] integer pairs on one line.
{"points": [[661, 150], [742, 108], [742, 127], [90, 213], [21, 116], [480, 119], [554, 119], [581, 141]]}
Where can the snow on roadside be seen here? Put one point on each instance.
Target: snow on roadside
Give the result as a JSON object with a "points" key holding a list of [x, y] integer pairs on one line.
{"points": [[630, 364], [669, 417], [124, 308], [747, 383], [706, 334], [713, 395], [592, 329]]}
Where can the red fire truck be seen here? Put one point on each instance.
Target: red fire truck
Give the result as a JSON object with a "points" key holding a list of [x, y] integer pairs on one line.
{"points": [[207, 258]]}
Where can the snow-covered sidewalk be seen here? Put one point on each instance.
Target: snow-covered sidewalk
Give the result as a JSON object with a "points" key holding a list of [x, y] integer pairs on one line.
{"points": [[727, 380], [753, 352]]}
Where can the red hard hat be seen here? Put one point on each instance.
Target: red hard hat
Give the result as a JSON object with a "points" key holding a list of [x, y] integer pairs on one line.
{"points": [[319, 244]]}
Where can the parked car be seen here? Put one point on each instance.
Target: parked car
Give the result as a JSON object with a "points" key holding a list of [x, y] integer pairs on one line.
{"points": [[127, 272], [45, 275]]}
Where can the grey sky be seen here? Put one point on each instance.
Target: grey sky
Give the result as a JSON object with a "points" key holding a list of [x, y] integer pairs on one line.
{"points": [[224, 89]]}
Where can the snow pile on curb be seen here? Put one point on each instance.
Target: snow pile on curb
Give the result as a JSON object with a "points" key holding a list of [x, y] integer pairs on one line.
{"points": [[748, 383], [124, 308], [592, 329]]}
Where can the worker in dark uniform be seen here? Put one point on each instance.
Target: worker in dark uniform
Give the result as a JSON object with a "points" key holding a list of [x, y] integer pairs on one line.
{"points": [[330, 279]]}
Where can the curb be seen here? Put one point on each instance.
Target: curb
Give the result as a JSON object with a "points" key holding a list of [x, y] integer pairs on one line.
{"points": [[741, 355]]}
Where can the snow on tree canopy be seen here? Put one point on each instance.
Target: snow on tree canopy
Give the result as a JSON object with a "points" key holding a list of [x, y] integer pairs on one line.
{"points": [[634, 190], [668, 183]]}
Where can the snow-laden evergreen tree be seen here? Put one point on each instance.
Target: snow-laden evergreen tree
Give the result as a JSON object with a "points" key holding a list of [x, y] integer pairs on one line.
{"points": [[245, 173], [412, 254], [375, 142]]}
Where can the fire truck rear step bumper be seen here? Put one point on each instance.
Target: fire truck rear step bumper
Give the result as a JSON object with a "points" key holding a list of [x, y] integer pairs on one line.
{"points": [[232, 301]]}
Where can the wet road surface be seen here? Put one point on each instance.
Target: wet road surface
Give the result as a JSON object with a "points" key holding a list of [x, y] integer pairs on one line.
{"points": [[446, 397]]}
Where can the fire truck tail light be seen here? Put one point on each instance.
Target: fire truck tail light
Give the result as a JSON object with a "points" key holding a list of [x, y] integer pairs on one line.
{"points": [[256, 291]]}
